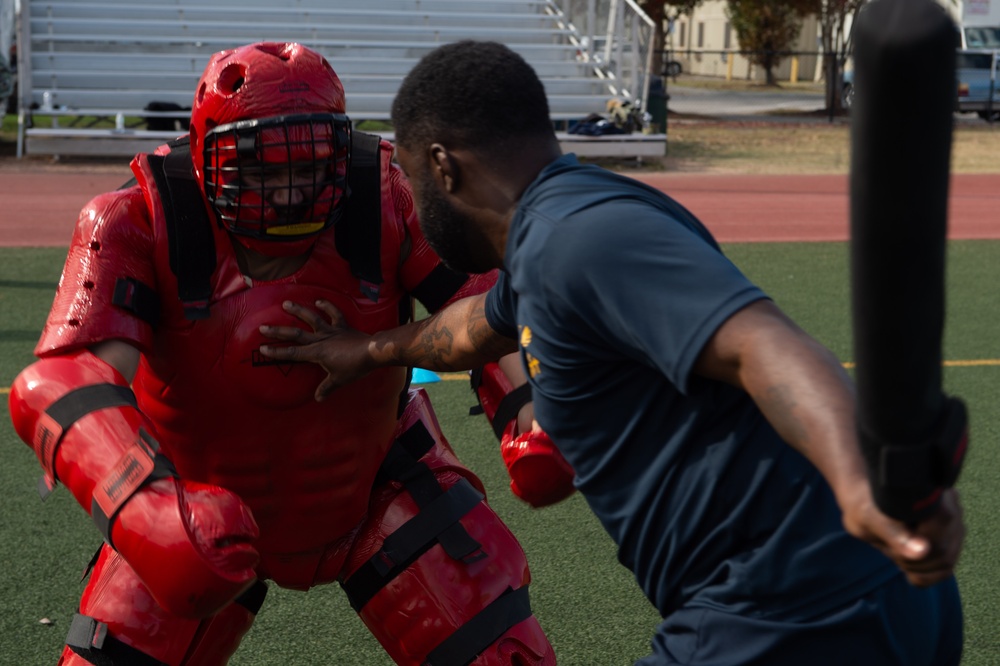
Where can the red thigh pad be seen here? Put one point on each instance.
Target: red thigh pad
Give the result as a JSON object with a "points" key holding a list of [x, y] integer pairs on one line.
{"points": [[430, 606]]}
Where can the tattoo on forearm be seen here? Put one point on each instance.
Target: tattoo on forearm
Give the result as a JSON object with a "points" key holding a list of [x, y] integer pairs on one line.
{"points": [[442, 344], [435, 345]]}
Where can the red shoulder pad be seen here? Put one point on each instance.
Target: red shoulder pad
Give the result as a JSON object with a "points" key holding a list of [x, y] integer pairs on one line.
{"points": [[112, 242]]}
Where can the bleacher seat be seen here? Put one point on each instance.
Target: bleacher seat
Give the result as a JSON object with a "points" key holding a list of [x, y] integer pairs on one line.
{"points": [[113, 58]]}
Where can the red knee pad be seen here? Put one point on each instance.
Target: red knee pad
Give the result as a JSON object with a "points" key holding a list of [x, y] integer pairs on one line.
{"points": [[120, 622]]}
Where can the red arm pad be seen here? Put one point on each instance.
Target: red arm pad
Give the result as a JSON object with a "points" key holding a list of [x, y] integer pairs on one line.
{"points": [[539, 474], [476, 284], [190, 543]]}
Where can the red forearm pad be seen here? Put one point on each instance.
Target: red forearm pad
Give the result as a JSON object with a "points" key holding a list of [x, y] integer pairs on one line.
{"points": [[539, 474], [188, 542], [75, 393], [492, 386]]}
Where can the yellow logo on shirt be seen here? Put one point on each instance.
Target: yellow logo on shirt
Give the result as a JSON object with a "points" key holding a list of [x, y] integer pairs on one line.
{"points": [[534, 367]]}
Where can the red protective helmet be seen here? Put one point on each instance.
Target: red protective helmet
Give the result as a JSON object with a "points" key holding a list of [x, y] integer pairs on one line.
{"points": [[270, 144]]}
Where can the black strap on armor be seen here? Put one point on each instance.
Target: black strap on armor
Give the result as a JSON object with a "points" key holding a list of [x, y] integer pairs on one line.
{"points": [[404, 456], [509, 405], [908, 480], [90, 639], [440, 285], [415, 537], [437, 521], [253, 598], [66, 411], [469, 640], [433, 519], [189, 235], [359, 231], [76, 404], [192, 243], [137, 298]]}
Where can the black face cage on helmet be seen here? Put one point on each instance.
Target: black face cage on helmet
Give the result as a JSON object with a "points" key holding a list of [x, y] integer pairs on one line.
{"points": [[247, 162]]}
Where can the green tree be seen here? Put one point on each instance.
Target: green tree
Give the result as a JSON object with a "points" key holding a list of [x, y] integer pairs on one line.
{"points": [[834, 16], [766, 29]]}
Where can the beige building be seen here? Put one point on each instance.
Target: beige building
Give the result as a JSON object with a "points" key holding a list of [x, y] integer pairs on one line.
{"points": [[706, 45]]}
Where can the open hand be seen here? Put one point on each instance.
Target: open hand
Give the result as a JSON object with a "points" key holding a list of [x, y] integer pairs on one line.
{"points": [[338, 349]]}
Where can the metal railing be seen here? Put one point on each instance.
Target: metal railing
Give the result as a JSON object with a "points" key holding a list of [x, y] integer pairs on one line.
{"points": [[617, 38]]}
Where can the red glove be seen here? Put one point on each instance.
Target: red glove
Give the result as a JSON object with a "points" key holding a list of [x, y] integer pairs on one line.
{"points": [[539, 474], [190, 543]]}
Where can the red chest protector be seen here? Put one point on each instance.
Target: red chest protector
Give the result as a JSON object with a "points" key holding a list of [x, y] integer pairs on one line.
{"points": [[228, 416]]}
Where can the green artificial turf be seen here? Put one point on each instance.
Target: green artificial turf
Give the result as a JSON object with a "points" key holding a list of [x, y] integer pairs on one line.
{"points": [[589, 605]]}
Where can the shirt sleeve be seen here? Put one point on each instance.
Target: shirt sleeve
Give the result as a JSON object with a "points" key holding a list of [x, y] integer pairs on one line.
{"points": [[500, 304], [647, 287]]}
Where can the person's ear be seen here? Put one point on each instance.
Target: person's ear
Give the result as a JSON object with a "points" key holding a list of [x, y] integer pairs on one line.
{"points": [[444, 167]]}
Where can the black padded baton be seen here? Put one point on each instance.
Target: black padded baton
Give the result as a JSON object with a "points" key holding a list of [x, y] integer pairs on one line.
{"points": [[914, 436]]}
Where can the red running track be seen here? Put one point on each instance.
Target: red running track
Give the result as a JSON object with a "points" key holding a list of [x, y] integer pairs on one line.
{"points": [[39, 204], [741, 208]]}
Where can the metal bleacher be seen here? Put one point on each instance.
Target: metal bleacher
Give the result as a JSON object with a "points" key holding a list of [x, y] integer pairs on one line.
{"points": [[113, 77]]}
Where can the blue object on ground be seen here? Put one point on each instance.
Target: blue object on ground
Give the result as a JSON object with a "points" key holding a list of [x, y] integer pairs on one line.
{"points": [[421, 376]]}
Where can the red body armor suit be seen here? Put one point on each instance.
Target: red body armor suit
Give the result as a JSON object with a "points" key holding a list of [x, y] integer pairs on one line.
{"points": [[225, 414]]}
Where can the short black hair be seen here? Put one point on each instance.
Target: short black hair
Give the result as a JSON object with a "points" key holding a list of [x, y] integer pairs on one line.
{"points": [[478, 94]]}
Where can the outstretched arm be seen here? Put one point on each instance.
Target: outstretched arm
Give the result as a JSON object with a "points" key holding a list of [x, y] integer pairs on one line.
{"points": [[804, 392], [457, 337]]}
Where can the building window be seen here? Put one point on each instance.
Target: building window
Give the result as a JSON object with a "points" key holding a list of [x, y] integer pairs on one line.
{"points": [[701, 34], [682, 29], [728, 42]]}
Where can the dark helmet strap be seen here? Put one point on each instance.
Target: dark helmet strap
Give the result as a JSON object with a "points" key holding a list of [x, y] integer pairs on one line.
{"points": [[189, 231], [359, 230], [192, 243]]}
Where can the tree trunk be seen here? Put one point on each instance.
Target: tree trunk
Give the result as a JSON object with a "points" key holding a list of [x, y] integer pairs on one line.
{"points": [[769, 63]]}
